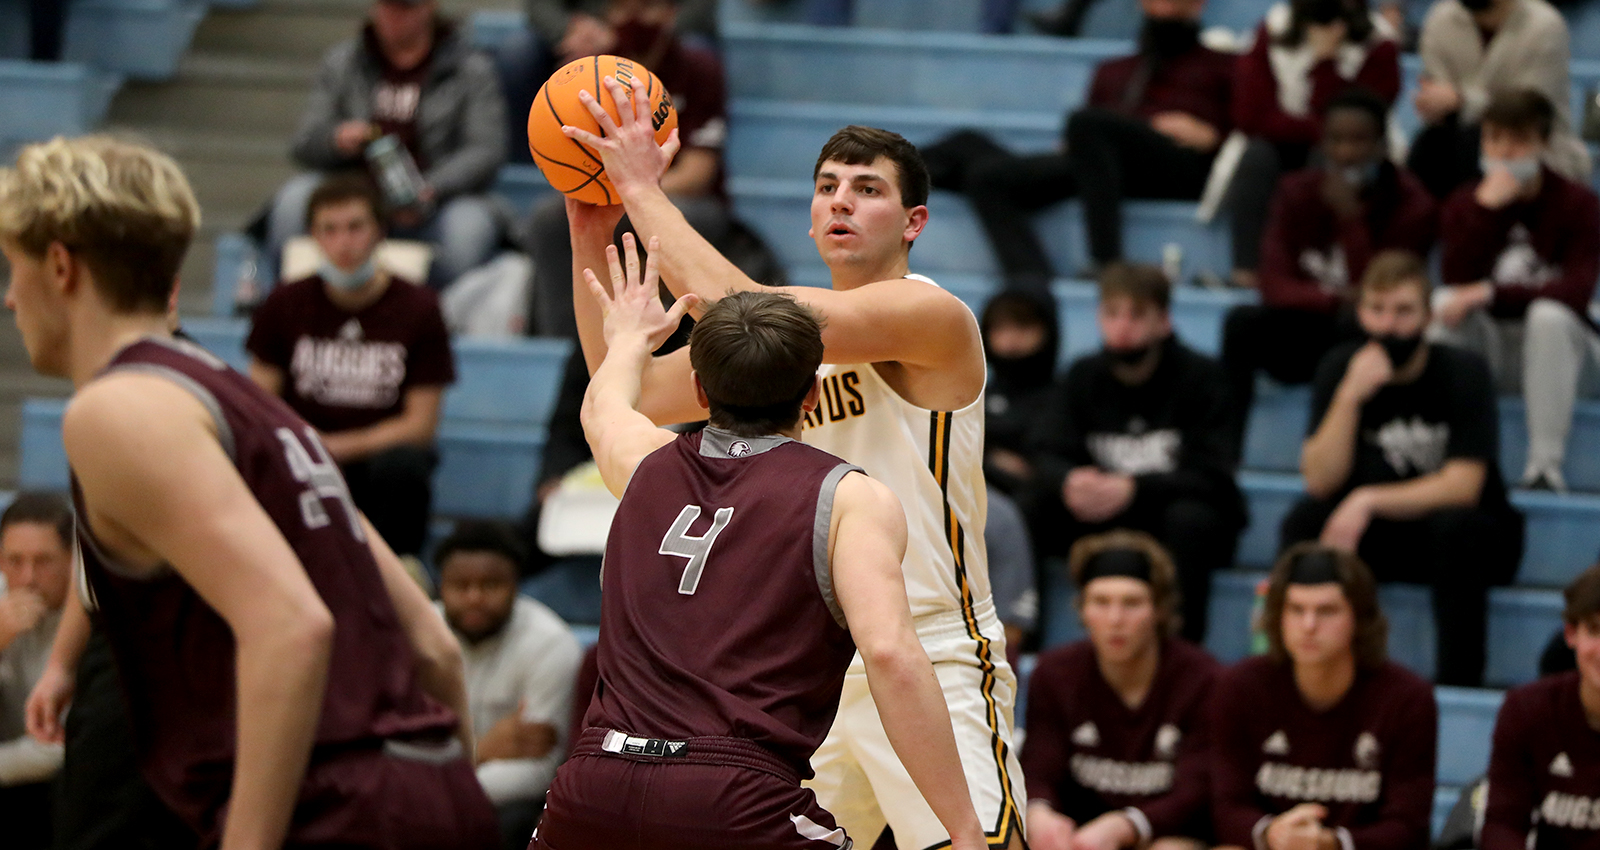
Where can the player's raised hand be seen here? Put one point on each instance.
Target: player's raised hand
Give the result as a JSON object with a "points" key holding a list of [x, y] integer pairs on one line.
{"points": [[628, 148], [632, 309]]}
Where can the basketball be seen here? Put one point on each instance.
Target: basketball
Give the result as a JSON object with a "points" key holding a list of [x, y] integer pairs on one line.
{"points": [[573, 168]]}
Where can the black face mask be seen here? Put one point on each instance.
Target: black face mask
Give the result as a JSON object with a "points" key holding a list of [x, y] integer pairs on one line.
{"points": [[1130, 356], [1399, 348], [1168, 37]]}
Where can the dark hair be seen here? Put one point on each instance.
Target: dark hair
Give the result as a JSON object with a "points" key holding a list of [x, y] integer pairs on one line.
{"points": [[1371, 640], [482, 536], [1357, 19], [756, 354], [341, 187], [1137, 281], [1017, 307], [1360, 99], [1521, 111], [42, 508], [1394, 268], [1163, 573], [1582, 597], [858, 145]]}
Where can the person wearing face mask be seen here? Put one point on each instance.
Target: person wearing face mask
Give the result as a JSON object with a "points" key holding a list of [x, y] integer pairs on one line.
{"points": [[1137, 437], [1021, 341], [1306, 53], [1520, 260], [1150, 129], [1471, 49], [1401, 464], [1117, 747], [364, 358], [1327, 221]]}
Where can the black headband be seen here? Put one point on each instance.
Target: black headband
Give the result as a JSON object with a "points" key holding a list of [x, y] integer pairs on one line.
{"points": [[1130, 563], [1318, 566]]}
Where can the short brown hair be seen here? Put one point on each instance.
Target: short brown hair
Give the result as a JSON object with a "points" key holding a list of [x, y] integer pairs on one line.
{"points": [[125, 210], [43, 509], [1582, 596], [341, 187], [1521, 111], [1394, 268], [1371, 640], [858, 145], [1137, 281], [1163, 573], [756, 354]]}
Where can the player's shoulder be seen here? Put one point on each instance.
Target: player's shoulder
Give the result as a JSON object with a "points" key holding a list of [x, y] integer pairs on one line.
{"points": [[125, 403], [859, 491]]}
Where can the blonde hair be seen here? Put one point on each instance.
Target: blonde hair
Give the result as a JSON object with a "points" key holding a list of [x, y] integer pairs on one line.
{"points": [[123, 209]]}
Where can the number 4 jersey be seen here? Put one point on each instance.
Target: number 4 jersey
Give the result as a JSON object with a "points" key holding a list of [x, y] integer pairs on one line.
{"points": [[176, 655], [718, 616]]}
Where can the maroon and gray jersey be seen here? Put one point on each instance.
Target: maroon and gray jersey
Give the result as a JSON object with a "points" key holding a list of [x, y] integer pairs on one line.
{"points": [[718, 616], [1544, 775], [1369, 758], [1088, 753], [176, 654]]}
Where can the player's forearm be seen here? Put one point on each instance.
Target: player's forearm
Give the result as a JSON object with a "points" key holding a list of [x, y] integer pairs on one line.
{"points": [[687, 261], [1326, 458], [615, 388], [917, 721], [282, 676], [589, 252]]}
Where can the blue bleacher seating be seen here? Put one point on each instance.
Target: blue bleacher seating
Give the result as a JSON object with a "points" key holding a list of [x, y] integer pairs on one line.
{"points": [[144, 39], [40, 100]]}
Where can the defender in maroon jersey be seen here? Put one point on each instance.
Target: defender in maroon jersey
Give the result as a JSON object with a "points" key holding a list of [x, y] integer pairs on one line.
{"points": [[1323, 742], [1544, 773], [288, 684], [742, 571], [1117, 747]]}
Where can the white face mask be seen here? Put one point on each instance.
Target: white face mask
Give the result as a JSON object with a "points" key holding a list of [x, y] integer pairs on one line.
{"points": [[348, 281], [1523, 168]]}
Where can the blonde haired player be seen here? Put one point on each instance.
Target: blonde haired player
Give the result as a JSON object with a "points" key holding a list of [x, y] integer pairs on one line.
{"points": [[902, 381]]}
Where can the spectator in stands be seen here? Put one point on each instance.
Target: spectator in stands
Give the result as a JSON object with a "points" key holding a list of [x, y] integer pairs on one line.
{"points": [[1117, 747], [1471, 49], [1012, 581], [1544, 770], [1520, 260], [412, 76], [1323, 742], [364, 357], [1306, 53], [1137, 437], [521, 660], [1401, 464], [47, 20], [36, 561], [693, 76], [1151, 127], [1021, 341], [1327, 221]]}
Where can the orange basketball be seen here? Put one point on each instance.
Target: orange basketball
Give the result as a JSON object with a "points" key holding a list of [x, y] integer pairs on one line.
{"points": [[573, 168]]}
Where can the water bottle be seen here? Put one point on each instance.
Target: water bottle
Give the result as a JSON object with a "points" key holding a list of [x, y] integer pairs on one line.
{"points": [[396, 172]]}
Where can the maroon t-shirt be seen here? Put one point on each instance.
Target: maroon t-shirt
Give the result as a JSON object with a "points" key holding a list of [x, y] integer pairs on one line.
{"points": [[397, 94], [1198, 82], [345, 370], [699, 89], [175, 654], [1544, 773], [1088, 753], [1369, 759], [717, 613]]}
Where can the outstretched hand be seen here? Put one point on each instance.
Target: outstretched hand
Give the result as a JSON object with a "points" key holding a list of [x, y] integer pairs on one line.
{"points": [[628, 147], [632, 308]]}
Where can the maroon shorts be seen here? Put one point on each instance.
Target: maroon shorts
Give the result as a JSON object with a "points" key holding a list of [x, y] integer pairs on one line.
{"points": [[703, 794]]}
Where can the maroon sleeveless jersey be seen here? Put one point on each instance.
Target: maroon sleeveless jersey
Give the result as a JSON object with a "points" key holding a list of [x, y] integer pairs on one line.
{"points": [[717, 612], [176, 655]]}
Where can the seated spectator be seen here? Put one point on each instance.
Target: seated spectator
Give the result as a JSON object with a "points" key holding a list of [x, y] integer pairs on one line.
{"points": [[1544, 770], [1520, 261], [693, 76], [1326, 223], [1116, 750], [413, 76], [1401, 465], [1012, 579], [36, 540], [364, 358], [1152, 125], [521, 660], [1021, 341], [1323, 742], [1471, 49], [1137, 437], [1306, 53]]}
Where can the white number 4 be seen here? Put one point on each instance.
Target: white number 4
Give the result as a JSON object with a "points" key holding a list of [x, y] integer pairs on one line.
{"points": [[325, 481], [696, 549]]}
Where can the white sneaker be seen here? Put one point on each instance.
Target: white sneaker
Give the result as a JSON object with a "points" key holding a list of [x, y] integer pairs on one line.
{"points": [[1548, 479]]}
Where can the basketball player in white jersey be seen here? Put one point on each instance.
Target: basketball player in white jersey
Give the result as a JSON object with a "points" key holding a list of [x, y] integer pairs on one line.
{"points": [[903, 380]]}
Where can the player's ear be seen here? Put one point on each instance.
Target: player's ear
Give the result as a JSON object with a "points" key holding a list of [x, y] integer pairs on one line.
{"points": [[813, 395], [700, 396], [917, 218], [63, 267]]}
